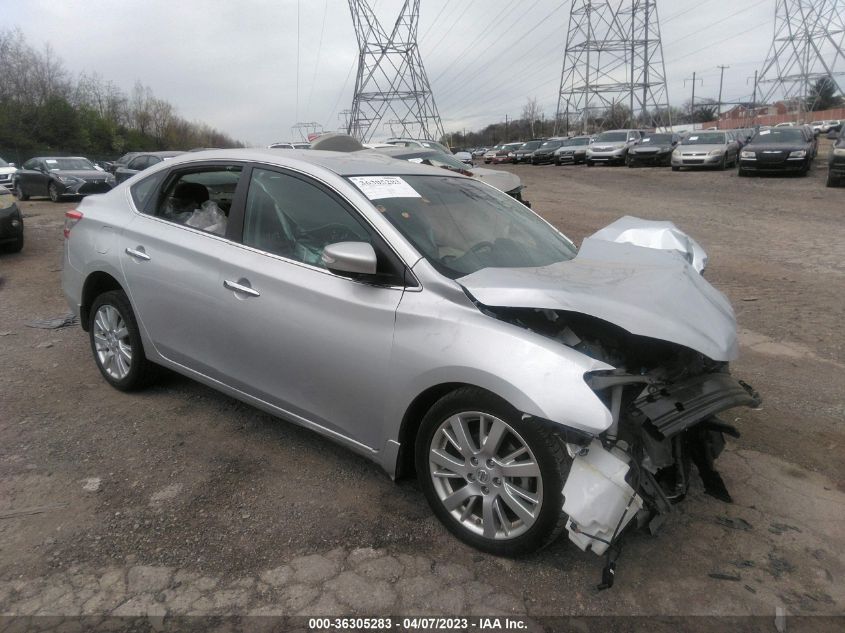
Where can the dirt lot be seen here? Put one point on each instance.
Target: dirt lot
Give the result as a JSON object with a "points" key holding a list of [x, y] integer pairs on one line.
{"points": [[180, 500]]}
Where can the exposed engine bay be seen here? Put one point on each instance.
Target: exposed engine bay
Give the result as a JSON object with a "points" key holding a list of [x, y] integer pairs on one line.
{"points": [[664, 399]]}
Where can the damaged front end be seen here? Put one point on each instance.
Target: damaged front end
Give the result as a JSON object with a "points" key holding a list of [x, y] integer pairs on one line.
{"points": [[664, 399]]}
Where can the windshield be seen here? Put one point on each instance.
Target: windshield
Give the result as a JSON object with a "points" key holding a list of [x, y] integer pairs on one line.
{"points": [[657, 139], [612, 136], [68, 164], [461, 226], [706, 138], [434, 145], [779, 135], [530, 145], [550, 145], [576, 141]]}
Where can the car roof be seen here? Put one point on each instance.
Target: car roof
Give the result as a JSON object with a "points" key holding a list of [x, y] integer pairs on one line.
{"points": [[361, 163], [167, 154]]}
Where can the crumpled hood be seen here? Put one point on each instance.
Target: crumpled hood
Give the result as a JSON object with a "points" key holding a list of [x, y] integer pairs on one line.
{"points": [[645, 291], [501, 180]]}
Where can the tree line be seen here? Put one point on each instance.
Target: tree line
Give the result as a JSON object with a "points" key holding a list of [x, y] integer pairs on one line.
{"points": [[44, 109]]}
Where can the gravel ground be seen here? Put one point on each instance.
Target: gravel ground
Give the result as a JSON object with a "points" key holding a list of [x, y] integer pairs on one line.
{"points": [[180, 500]]}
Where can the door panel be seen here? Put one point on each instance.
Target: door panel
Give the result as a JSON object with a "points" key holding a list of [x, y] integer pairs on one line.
{"points": [[313, 343], [172, 274]]}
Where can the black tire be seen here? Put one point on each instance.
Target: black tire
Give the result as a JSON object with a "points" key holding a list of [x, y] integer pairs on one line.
{"points": [[723, 164], [549, 452], [53, 192], [589, 163], [742, 173], [141, 371], [831, 181], [19, 193], [675, 168]]}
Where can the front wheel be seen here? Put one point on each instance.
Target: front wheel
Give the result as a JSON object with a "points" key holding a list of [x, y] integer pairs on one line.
{"points": [[53, 192], [116, 342], [493, 479]]}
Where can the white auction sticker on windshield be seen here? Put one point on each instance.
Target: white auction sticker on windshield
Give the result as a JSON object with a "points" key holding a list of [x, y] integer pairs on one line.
{"points": [[764, 132], [693, 138], [378, 187], [50, 161]]}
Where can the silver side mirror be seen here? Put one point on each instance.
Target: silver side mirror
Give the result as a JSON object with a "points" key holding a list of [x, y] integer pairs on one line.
{"points": [[350, 257]]}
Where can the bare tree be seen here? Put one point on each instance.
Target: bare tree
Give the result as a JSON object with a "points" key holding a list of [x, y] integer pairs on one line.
{"points": [[530, 113]]}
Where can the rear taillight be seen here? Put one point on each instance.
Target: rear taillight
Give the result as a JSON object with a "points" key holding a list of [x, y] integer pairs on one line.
{"points": [[71, 218]]}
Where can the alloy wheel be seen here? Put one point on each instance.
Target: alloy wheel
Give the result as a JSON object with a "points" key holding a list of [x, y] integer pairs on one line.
{"points": [[485, 475], [111, 341]]}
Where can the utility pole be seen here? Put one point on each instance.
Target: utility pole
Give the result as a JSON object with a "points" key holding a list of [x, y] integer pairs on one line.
{"points": [[721, 81], [507, 134], [692, 101], [754, 100]]}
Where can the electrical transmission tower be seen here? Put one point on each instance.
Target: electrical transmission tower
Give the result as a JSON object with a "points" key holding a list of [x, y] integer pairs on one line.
{"points": [[391, 80], [807, 47], [613, 70]]}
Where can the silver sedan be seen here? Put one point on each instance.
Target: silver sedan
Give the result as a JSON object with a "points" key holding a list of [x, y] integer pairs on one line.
{"points": [[426, 321], [706, 149]]}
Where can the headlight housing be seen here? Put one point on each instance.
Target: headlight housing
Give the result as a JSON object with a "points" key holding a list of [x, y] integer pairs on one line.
{"points": [[716, 152], [68, 180], [748, 155], [677, 152], [110, 179], [839, 151], [511, 154], [801, 153]]}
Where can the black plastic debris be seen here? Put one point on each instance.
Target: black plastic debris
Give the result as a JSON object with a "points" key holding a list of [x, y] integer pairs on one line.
{"points": [[64, 320], [721, 576]]}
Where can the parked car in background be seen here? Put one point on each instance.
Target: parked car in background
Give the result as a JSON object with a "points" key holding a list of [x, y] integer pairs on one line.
{"points": [[284, 145], [836, 164], [428, 322], [834, 124], [491, 153], [479, 152], [59, 176], [525, 152], [572, 151], [507, 153], [464, 157], [786, 124], [611, 147], [546, 152], [419, 142], [780, 149], [142, 162], [504, 181], [7, 174], [822, 127], [706, 149], [123, 161], [653, 149], [11, 222]]}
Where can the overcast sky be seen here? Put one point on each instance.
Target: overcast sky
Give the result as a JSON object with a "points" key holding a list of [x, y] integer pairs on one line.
{"points": [[240, 66]]}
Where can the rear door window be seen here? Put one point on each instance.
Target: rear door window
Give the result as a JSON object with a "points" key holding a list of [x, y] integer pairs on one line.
{"points": [[200, 198]]}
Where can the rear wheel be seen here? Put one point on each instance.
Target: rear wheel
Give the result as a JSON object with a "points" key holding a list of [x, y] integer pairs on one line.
{"points": [[19, 193], [116, 342], [493, 479]]}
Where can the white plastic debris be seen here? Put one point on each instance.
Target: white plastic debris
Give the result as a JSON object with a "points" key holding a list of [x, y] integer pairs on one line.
{"points": [[596, 496], [92, 484], [209, 218]]}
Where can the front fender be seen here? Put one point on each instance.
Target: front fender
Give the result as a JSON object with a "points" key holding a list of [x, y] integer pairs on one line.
{"points": [[440, 340]]}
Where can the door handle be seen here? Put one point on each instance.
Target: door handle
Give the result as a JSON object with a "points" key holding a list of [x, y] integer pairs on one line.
{"points": [[138, 254], [232, 285]]}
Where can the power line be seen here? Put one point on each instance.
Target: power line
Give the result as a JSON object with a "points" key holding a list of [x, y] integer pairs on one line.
{"points": [[319, 53], [431, 26]]}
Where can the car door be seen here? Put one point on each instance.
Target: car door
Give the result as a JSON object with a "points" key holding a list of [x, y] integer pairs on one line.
{"points": [[169, 255], [306, 340]]}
